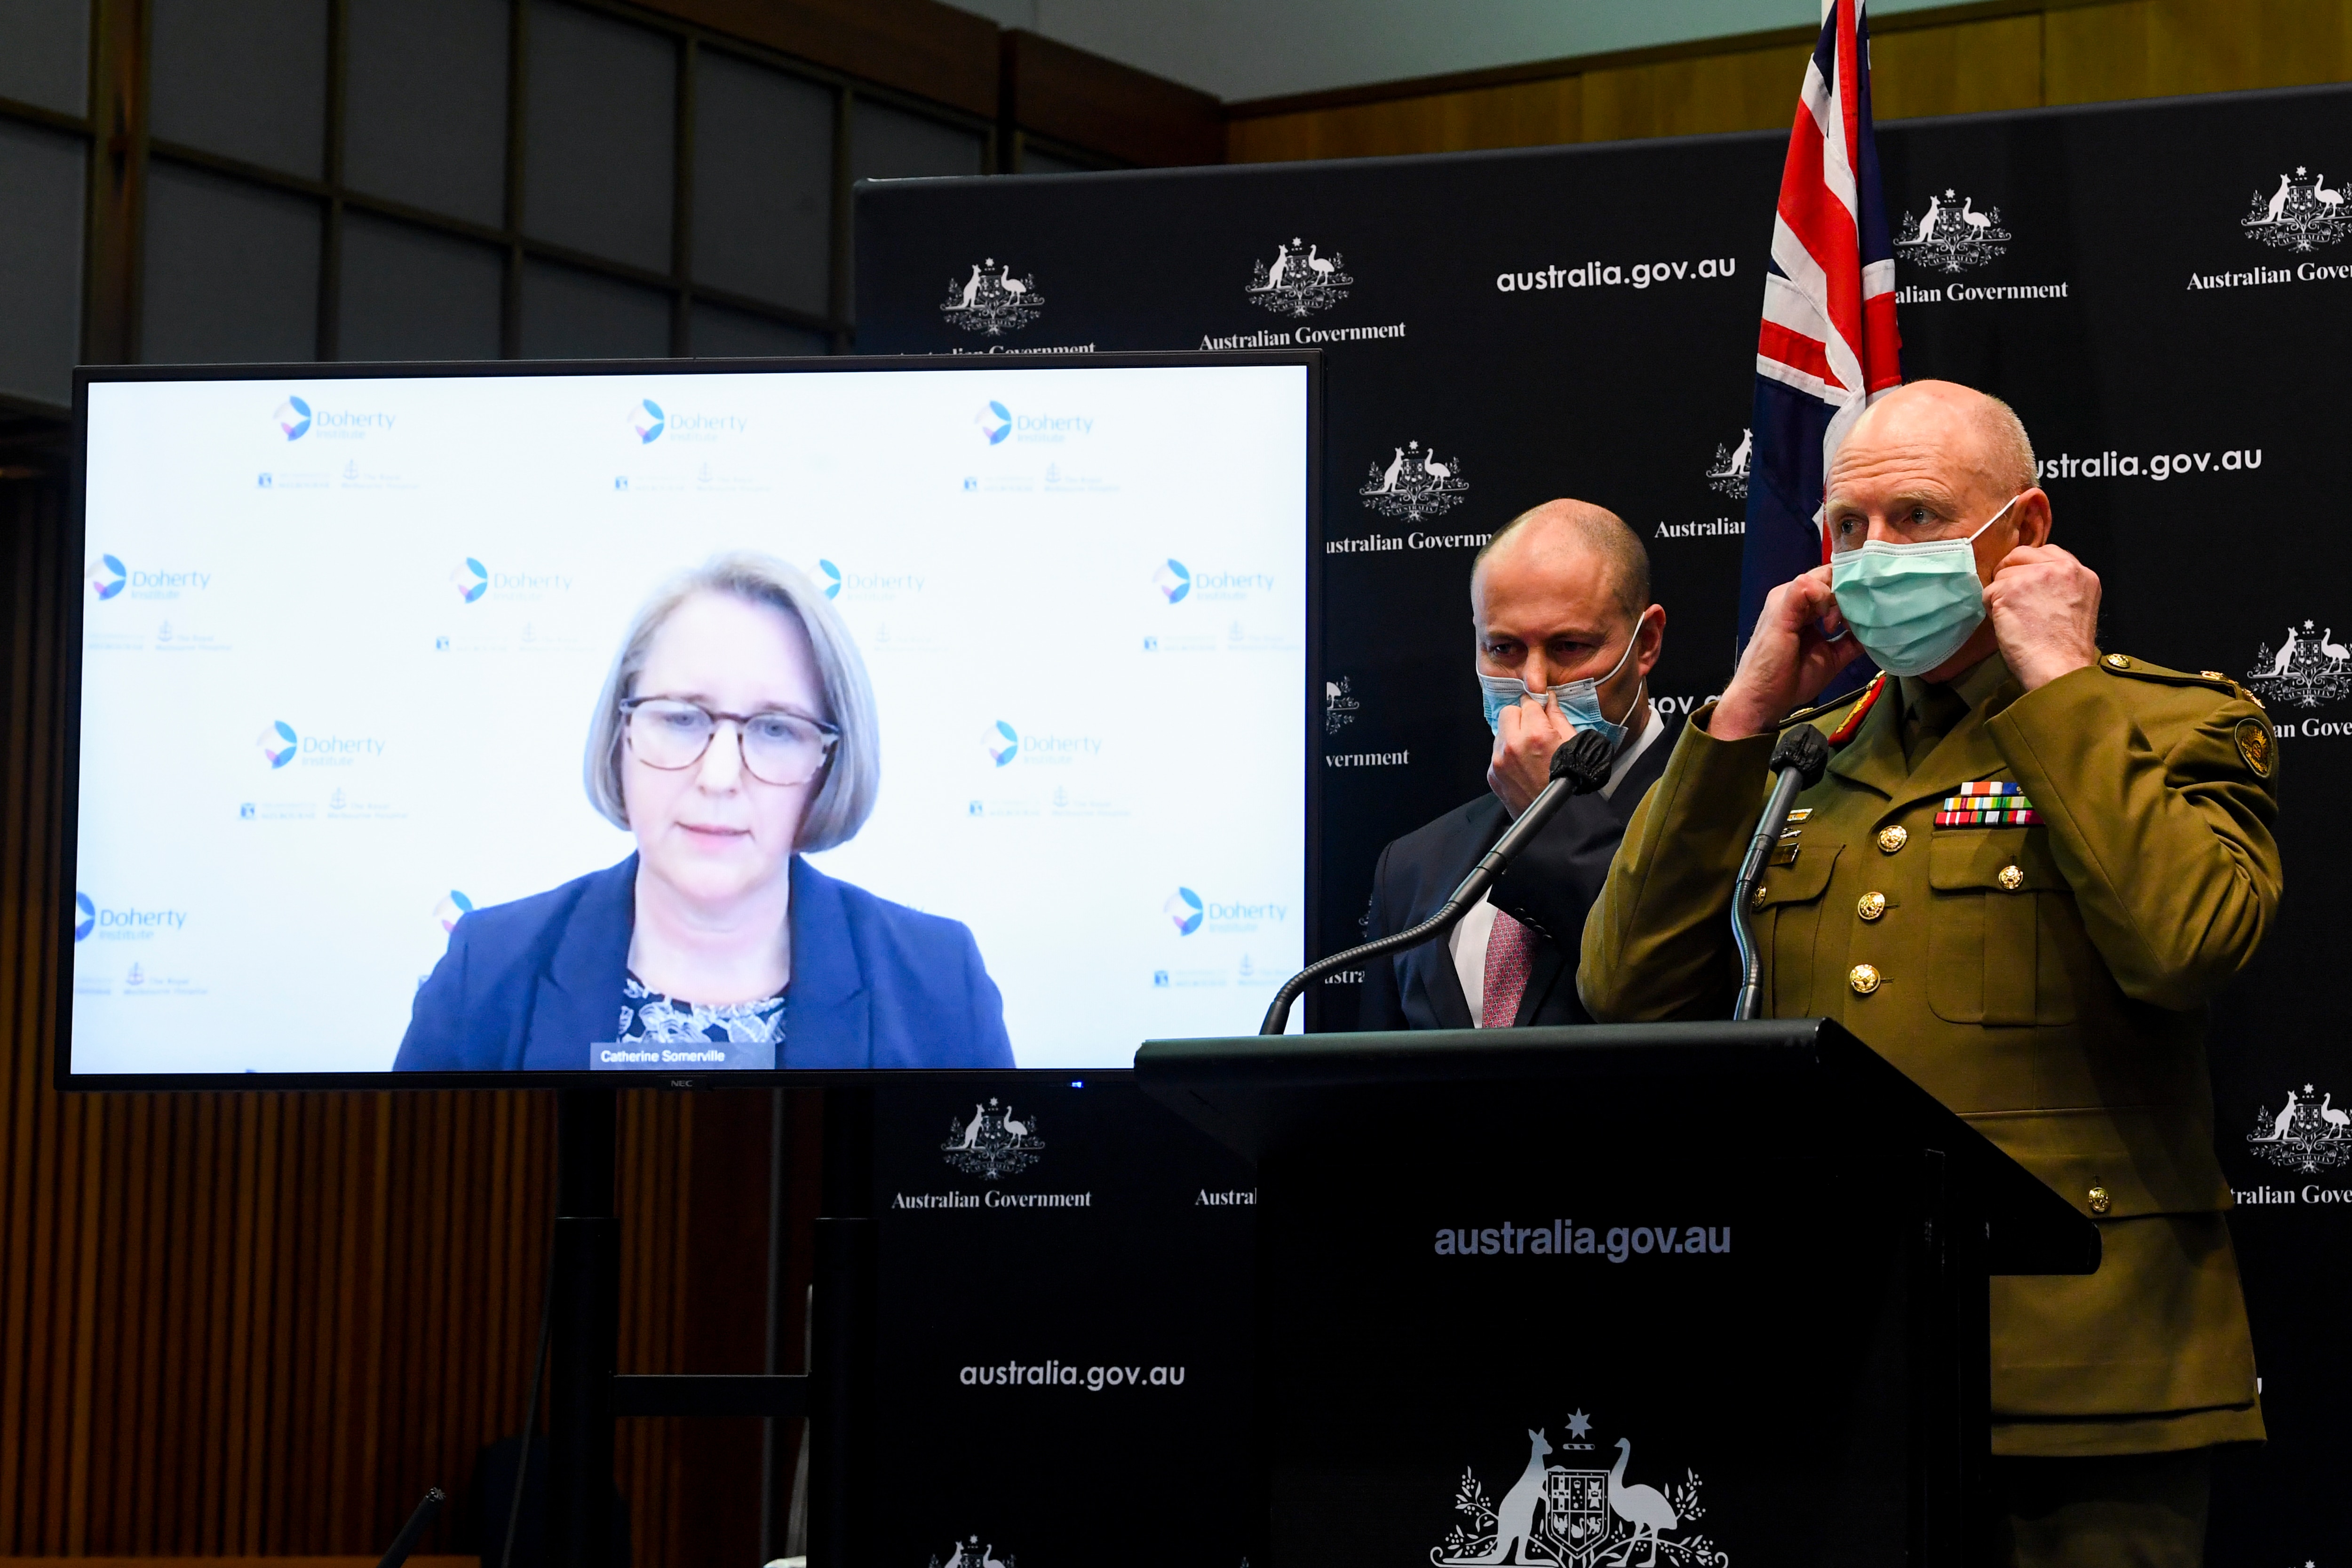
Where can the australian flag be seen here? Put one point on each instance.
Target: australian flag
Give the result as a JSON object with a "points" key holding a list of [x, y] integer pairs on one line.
{"points": [[1828, 345]]}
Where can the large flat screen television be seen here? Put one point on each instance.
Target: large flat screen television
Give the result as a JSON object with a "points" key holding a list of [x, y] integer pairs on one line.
{"points": [[505, 723]]}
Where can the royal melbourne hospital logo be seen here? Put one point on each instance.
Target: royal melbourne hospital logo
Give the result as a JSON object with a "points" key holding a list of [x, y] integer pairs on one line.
{"points": [[992, 300], [995, 1143], [2301, 214], [1298, 281], [1728, 474], [2308, 669], [2303, 1134], [1568, 1516], [1413, 485], [1951, 235]]}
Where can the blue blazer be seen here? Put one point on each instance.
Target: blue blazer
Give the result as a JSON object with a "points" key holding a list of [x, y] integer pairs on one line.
{"points": [[529, 985]]}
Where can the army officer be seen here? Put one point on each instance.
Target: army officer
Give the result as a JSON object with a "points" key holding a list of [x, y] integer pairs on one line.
{"points": [[2029, 868]]}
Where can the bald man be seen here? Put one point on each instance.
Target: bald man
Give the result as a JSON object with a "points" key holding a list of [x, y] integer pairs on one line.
{"points": [[2028, 869], [1566, 636]]}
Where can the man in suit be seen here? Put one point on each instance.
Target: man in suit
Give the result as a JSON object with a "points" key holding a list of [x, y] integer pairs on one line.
{"points": [[1559, 599], [2028, 869]]}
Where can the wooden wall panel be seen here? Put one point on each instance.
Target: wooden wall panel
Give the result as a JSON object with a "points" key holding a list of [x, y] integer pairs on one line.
{"points": [[242, 1325], [1963, 60], [1754, 89]]}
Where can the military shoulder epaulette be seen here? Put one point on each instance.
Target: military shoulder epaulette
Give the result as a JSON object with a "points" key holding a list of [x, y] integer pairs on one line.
{"points": [[1822, 710], [2124, 664]]}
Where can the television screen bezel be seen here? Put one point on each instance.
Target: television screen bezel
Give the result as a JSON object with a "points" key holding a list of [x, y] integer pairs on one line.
{"points": [[70, 632]]}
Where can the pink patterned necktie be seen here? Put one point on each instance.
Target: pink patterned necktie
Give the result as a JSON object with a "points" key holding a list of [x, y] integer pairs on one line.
{"points": [[1510, 951]]}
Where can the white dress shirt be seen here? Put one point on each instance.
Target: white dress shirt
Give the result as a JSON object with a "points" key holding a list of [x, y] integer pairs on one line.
{"points": [[1467, 943]]}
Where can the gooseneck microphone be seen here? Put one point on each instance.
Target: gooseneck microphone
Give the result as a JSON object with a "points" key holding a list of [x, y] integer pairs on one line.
{"points": [[1797, 763], [1578, 767]]}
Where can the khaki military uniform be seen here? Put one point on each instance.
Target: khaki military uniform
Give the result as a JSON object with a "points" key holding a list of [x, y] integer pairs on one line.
{"points": [[2047, 981]]}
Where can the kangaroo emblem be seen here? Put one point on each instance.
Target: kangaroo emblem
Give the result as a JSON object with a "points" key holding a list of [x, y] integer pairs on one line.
{"points": [[1515, 1516]]}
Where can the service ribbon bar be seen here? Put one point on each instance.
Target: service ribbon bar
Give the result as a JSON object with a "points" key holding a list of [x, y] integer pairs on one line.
{"points": [[1994, 803]]}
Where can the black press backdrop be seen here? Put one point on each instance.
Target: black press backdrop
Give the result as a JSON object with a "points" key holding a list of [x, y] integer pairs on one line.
{"points": [[2163, 290]]}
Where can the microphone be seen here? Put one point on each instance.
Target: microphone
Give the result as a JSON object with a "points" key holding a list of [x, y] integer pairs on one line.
{"points": [[413, 1530], [1798, 761], [1579, 767]]}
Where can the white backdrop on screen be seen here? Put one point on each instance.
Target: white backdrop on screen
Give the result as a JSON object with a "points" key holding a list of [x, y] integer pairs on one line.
{"points": [[343, 638]]}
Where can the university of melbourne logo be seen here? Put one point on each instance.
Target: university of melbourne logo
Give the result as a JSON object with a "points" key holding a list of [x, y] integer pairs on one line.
{"points": [[2301, 214], [470, 578], [1414, 484], [649, 421], [1729, 475], [993, 1143], [107, 576], [1173, 581], [1575, 1517], [1339, 707], [293, 416], [1184, 910], [85, 916], [2306, 670], [453, 909], [1951, 238], [1297, 281], [2304, 1134], [992, 300], [278, 742], [995, 422]]}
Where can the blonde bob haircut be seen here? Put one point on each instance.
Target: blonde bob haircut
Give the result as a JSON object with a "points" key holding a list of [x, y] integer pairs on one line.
{"points": [[853, 774]]}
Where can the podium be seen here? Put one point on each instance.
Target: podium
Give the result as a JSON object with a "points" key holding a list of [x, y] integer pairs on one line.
{"points": [[1688, 1294]]}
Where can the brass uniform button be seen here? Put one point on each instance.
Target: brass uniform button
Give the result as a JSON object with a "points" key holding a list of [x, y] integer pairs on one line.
{"points": [[2011, 878], [1890, 840], [2212, 675], [1758, 900], [2100, 1202], [1872, 906], [1862, 978], [2117, 661]]}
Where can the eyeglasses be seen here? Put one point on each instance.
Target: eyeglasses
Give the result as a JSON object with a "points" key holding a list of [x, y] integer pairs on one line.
{"points": [[777, 748]]}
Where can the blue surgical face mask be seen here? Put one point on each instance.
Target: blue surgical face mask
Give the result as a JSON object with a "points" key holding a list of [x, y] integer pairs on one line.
{"points": [[1579, 701], [1911, 605]]}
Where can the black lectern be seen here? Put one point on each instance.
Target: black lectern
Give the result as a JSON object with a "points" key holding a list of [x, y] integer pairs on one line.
{"points": [[1685, 1294]]}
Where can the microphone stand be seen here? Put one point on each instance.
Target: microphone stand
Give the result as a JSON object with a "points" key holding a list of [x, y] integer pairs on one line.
{"points": [[1578, 767], [1798, 761]]}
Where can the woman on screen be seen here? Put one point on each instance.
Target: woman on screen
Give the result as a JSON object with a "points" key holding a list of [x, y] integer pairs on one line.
{"points": [[734, 735]]}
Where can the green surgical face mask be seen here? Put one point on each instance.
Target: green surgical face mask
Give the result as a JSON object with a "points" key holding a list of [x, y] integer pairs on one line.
{"points": [[1911, 605]]}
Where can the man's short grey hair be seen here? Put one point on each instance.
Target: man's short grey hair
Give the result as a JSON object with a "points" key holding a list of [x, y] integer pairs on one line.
{"points": [[2008, 452], [853, 774], [1622, 554]]}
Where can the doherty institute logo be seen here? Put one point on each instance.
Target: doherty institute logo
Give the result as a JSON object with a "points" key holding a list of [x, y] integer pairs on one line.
{"points": [[85, 917], [992, 300], [278, 742], [2301, 214], [994, 1144], [1174, 583], [1951, 235], [453, 908], [1003, 742], [2303, 1134], [107, 575], [471, 579], [647, 421], [293, 417], [995, 421], [1577, 1514], [1298, 281], [1413, 485], [1185, 911], [2310, 667]]}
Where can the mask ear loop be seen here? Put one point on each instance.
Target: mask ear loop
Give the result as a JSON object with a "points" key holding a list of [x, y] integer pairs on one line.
{"points": [[1631, 644]]}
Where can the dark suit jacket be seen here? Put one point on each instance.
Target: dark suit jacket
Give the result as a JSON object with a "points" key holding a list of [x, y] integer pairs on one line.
{"points": [[1549, 887], [530, 985]]}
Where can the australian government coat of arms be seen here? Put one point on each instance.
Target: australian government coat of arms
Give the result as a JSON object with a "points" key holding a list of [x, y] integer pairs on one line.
{"points": [[1578, 1515], [2303, 1134], [992, 300], [1299, 280], [2301, 214], [2309, 668], [1413, 485], [993, 1143]]}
